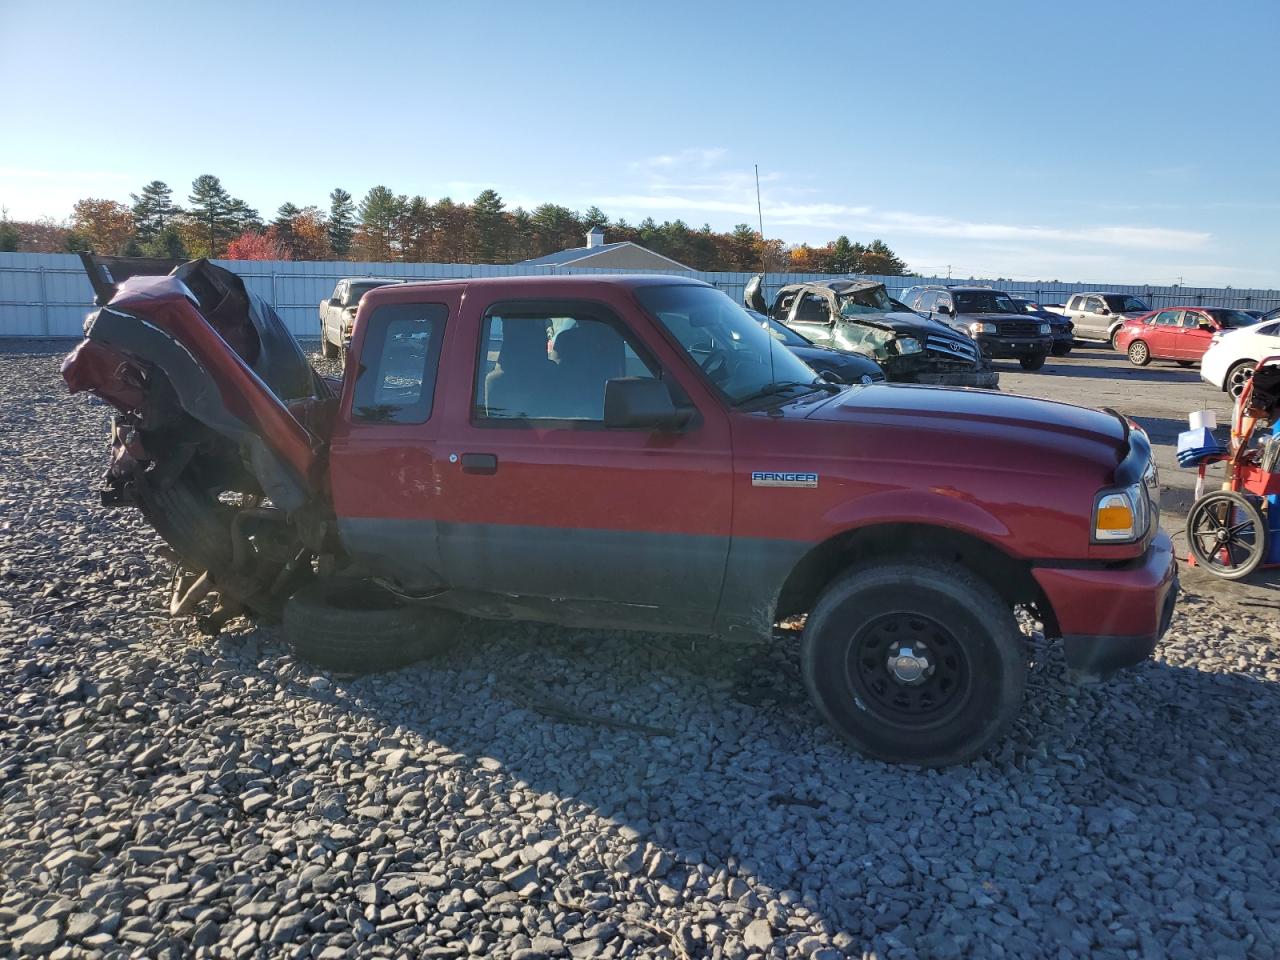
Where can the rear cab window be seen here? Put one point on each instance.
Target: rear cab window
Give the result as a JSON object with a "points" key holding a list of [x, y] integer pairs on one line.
{"points": [[399, 361]]}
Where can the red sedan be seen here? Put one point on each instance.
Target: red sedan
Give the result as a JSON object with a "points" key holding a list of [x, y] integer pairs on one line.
{"points": [[1176, 333]]}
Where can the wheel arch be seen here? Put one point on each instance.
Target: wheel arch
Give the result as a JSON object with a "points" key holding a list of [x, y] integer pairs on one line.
{"points": [[1010, 576]]}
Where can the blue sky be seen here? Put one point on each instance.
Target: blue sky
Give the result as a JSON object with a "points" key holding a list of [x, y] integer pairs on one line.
{"points": [[1086, 141]]}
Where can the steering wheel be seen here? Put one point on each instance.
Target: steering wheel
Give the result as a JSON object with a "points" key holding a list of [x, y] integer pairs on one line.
{"points": [[716, 365]]}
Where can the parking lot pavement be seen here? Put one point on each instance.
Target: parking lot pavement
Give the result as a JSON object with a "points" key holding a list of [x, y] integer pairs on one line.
{"points": [[542, 792]]}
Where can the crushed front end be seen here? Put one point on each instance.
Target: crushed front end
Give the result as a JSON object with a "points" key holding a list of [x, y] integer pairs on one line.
{"points": [[211, 394]]}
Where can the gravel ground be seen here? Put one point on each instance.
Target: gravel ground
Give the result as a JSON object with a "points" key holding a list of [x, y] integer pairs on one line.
{"points": [[545, 793]]}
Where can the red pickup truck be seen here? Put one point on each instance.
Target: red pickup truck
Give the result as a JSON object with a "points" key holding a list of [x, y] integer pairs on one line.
{"points": [[630, 452]]}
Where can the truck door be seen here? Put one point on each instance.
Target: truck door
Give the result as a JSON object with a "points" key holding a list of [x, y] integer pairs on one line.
{"points": [[540, 500], [811, 316], [385, 463]]}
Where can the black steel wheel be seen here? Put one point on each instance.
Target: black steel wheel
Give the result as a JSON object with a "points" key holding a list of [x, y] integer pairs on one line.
{"points": [[915, 660], [911, 667], [1227, 534], [1139, 353]]}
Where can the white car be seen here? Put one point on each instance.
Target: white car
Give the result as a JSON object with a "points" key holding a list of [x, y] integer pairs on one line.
{"points": [[1228, 363]]}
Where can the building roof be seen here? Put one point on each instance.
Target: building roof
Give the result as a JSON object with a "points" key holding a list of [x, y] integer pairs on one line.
{"points": [[580, 255]]}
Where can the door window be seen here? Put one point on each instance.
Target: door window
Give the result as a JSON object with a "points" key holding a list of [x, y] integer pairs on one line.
{"points": [[1191, 319], [398, 363], [1093, 305], [926, 301], [1167, 318], [551, 365], [812, 309]]}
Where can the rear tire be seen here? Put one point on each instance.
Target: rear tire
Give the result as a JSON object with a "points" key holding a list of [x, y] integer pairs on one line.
{"points": [[1032, 363], [1239, 374], [327, 350], [1061, 349], [878, 625], [1139, 353], [354, 626]]}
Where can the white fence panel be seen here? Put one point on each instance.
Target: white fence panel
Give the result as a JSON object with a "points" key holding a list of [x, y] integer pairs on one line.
{"points": [[48, 295]]}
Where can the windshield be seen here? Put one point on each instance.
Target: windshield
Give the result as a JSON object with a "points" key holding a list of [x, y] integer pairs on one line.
{"points": [[984, 301], [1125, 304], [1231, 319], [873, 300], [733, 349]]}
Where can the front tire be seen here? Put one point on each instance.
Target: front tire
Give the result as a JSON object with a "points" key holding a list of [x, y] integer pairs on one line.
{"points": [[1114, 340], [915, 661], [354, 626], [1139, 353], [1032, 363], [1061, 349]]}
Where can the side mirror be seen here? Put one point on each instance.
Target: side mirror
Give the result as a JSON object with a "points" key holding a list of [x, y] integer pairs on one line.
{"points": [[640, 403], [1104, 312]]}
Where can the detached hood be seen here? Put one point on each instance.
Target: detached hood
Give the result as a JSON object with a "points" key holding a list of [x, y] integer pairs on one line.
{"points": [[972, 423]]}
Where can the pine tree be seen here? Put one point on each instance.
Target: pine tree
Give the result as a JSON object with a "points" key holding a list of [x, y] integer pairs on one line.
{"points": [[492, 230], [283, 223], [342, 221], [211, 209], [380, 212], [153, 210]]}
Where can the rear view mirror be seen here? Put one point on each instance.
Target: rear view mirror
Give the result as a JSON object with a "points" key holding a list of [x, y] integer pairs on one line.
{"points": [[639, 403]]}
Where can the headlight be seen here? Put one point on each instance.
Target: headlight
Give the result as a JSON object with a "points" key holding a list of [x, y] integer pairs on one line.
{"points": [[1121, 516], [1044, 328], [977, 328], [909, 345]]}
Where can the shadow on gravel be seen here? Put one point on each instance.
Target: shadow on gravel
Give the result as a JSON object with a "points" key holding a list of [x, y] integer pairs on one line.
{"points": [[1078, 830]]}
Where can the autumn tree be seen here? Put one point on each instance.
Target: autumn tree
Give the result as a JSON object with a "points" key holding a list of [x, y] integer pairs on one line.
{"points": [[878, 259], [453, 222], [283, 223], [310, 235], [105, 225], [252, 245], [342, 221], [153, 210]]}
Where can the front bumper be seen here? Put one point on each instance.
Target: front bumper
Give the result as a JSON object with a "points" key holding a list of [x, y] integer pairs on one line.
{"points": [[1001, 348], [1113, 617]]}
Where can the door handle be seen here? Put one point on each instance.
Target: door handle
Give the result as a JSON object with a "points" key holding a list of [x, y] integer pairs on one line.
{"points": [[484, 464]]}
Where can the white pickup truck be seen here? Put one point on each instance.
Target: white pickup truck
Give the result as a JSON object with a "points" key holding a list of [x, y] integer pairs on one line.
{"points": [[1097, 316], [338, 312]]}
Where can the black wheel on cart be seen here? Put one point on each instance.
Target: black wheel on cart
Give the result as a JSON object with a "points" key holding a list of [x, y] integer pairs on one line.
{"points": [[1227, 534]]}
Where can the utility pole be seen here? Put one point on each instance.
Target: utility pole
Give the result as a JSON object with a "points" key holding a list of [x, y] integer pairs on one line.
{"points": [[764, 262], [948, 271]]}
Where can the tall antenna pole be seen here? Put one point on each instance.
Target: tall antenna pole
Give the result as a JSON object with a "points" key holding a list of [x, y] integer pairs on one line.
{"points": [[764, 263]]}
